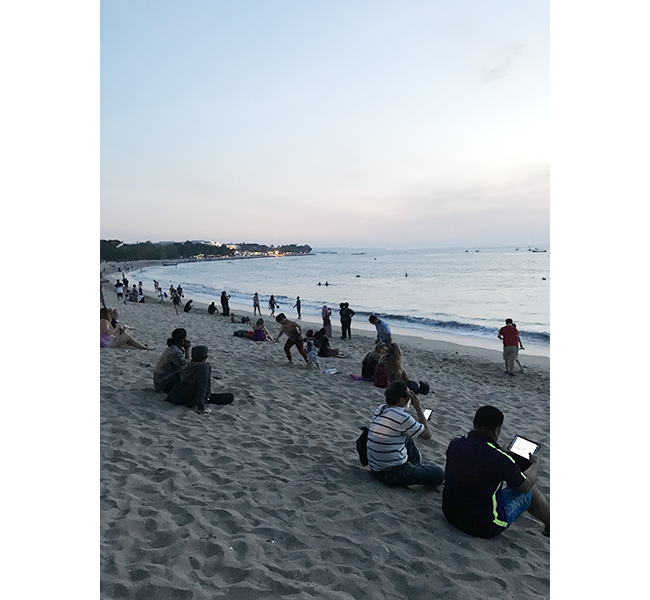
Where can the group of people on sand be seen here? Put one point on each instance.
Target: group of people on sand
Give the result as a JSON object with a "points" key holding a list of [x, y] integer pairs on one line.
{"points": [[485, 488]]}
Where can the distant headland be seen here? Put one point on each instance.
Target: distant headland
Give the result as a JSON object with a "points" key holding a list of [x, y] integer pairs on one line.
{"points": [[115, 250]]}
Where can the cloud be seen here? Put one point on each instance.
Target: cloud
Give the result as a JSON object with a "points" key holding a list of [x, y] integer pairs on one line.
{"points": [[501, 69]]}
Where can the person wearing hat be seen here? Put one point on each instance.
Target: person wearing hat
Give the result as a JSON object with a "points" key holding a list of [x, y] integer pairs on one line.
{"points": [[194, 387]]}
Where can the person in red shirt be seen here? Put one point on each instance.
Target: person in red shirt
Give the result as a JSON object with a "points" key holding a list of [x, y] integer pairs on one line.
{"points": [[511, 343]]}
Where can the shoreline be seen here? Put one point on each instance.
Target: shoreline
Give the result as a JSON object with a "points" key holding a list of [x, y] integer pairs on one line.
{"points": [[483, 347]]}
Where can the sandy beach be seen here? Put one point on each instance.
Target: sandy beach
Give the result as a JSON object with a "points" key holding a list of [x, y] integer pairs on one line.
{"points": [[266, 498]]}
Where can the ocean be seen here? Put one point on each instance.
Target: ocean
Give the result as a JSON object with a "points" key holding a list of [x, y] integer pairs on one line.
{"points": [[462, 295]]}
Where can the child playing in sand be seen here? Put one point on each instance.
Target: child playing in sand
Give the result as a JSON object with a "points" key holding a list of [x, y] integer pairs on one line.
{"points": [[312, 349]]}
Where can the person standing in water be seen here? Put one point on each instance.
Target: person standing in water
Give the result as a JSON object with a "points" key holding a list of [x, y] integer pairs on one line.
{"points": [[297, 305]]}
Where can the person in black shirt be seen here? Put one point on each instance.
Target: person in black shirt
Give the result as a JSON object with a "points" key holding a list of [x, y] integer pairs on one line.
{"points": [[474, 499]]}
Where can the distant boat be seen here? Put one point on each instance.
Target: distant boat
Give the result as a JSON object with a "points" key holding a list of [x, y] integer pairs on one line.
{"points": [[169, 264], [538, 250]]}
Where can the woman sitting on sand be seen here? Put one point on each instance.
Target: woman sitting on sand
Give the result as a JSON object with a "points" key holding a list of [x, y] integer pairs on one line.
{"points": [[395, 370], [260, 333], [371, 359], [323, 343], [115, 336], [175, 358]]}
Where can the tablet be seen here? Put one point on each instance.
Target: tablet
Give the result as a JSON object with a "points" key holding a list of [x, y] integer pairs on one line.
{"points": [[523, 447]]}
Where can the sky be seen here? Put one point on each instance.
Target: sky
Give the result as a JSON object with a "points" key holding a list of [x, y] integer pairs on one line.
{"points": [[329, 123]]}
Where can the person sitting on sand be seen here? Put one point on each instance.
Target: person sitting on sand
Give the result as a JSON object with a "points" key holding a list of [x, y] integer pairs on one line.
{"points": [[371, 359], [474, 499], [235, 319], [212, 309], [392, 455], [115, 336], [383, 330], [175, 358], [395, 370], [323, 343], [188, 306], [260, 333], [194, 387], [294, 334]]}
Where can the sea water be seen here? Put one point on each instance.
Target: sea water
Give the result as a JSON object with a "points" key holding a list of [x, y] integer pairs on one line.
{"points": [[462, 294]]}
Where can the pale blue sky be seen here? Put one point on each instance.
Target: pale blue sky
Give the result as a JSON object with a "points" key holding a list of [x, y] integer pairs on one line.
{"points": [[338, 123]]}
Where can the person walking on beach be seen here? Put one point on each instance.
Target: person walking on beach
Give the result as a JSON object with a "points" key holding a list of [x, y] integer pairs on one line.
{"points": [[327, 323], [256, 305], [511, 342], [474, 499], [346, 320], [272, 305], [297, 306], [392, 455], [294, 334], [521, 347], [176, 300], [119, 290], [383, 330], [225, 308]]}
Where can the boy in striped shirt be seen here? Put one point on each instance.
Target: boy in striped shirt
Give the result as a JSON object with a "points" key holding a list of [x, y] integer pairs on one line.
{"points": [[392, 454]]}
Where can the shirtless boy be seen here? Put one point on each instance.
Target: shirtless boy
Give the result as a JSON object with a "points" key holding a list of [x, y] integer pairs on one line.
{"points": [[294, 335]]}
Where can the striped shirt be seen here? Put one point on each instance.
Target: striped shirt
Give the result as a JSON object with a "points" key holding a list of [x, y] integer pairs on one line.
{"points": [[387, 434]]}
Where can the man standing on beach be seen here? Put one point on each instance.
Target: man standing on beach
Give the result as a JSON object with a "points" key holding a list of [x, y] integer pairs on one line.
{"points": [[294, 335], [473, 499], [346, 320], [297, 305], [383, 330], [511, 343], [256, 305]]}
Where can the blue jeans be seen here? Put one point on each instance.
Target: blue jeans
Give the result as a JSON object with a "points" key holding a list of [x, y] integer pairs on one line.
{"points": [[411, 472]]}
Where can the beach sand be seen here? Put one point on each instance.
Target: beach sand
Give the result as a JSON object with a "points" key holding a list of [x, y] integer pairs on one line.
{"points": [[266, 498]]}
